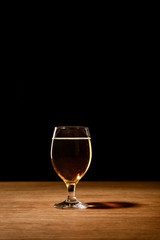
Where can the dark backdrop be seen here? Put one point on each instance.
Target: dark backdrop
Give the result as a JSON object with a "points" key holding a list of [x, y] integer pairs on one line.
{"points": [[118, 114], [100, 76]]}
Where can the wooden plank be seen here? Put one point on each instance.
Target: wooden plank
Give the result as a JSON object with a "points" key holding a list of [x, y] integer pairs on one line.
{"points": [[117, 210]]}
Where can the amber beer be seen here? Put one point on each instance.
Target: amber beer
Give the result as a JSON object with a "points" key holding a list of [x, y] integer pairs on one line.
{"points": [[71, 157]]}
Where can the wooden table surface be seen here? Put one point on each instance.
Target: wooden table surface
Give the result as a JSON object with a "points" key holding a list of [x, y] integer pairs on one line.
{"points": [[117, 210]]}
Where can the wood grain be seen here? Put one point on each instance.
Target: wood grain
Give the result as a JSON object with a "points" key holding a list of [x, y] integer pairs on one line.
{"points": [[117, 210]]}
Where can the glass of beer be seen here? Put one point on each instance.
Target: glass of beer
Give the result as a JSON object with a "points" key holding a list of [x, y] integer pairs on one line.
{"points": [[71, 154]]}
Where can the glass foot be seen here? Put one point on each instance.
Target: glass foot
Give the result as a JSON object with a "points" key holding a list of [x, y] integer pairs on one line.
{"points": [[73, 205]]}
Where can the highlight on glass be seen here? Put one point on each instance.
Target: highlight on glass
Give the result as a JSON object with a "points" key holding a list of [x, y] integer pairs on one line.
{"points": [[71, 154]]}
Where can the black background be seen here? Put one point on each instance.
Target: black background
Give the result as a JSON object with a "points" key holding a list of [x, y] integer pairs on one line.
{"points": [[98, 75], [118, 115]]}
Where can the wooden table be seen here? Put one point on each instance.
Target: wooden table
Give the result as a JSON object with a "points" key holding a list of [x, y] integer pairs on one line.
{"points": [[117, 210]]}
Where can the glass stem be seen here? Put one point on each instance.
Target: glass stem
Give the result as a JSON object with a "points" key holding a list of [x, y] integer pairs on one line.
{"points": [[71, 198]]}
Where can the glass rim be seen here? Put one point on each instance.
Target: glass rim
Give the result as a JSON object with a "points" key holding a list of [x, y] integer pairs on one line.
{"points": [[71, 131], [74, 126]]}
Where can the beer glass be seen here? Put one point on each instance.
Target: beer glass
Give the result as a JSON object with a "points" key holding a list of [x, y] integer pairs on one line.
{"points": [[71, 154]]}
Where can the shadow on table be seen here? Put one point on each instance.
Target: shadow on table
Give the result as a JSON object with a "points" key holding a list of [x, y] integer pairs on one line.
{"points": [[113, 205]]}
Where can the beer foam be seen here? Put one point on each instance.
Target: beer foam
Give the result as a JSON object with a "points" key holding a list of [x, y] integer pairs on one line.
{"points": [[71, 138]]}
